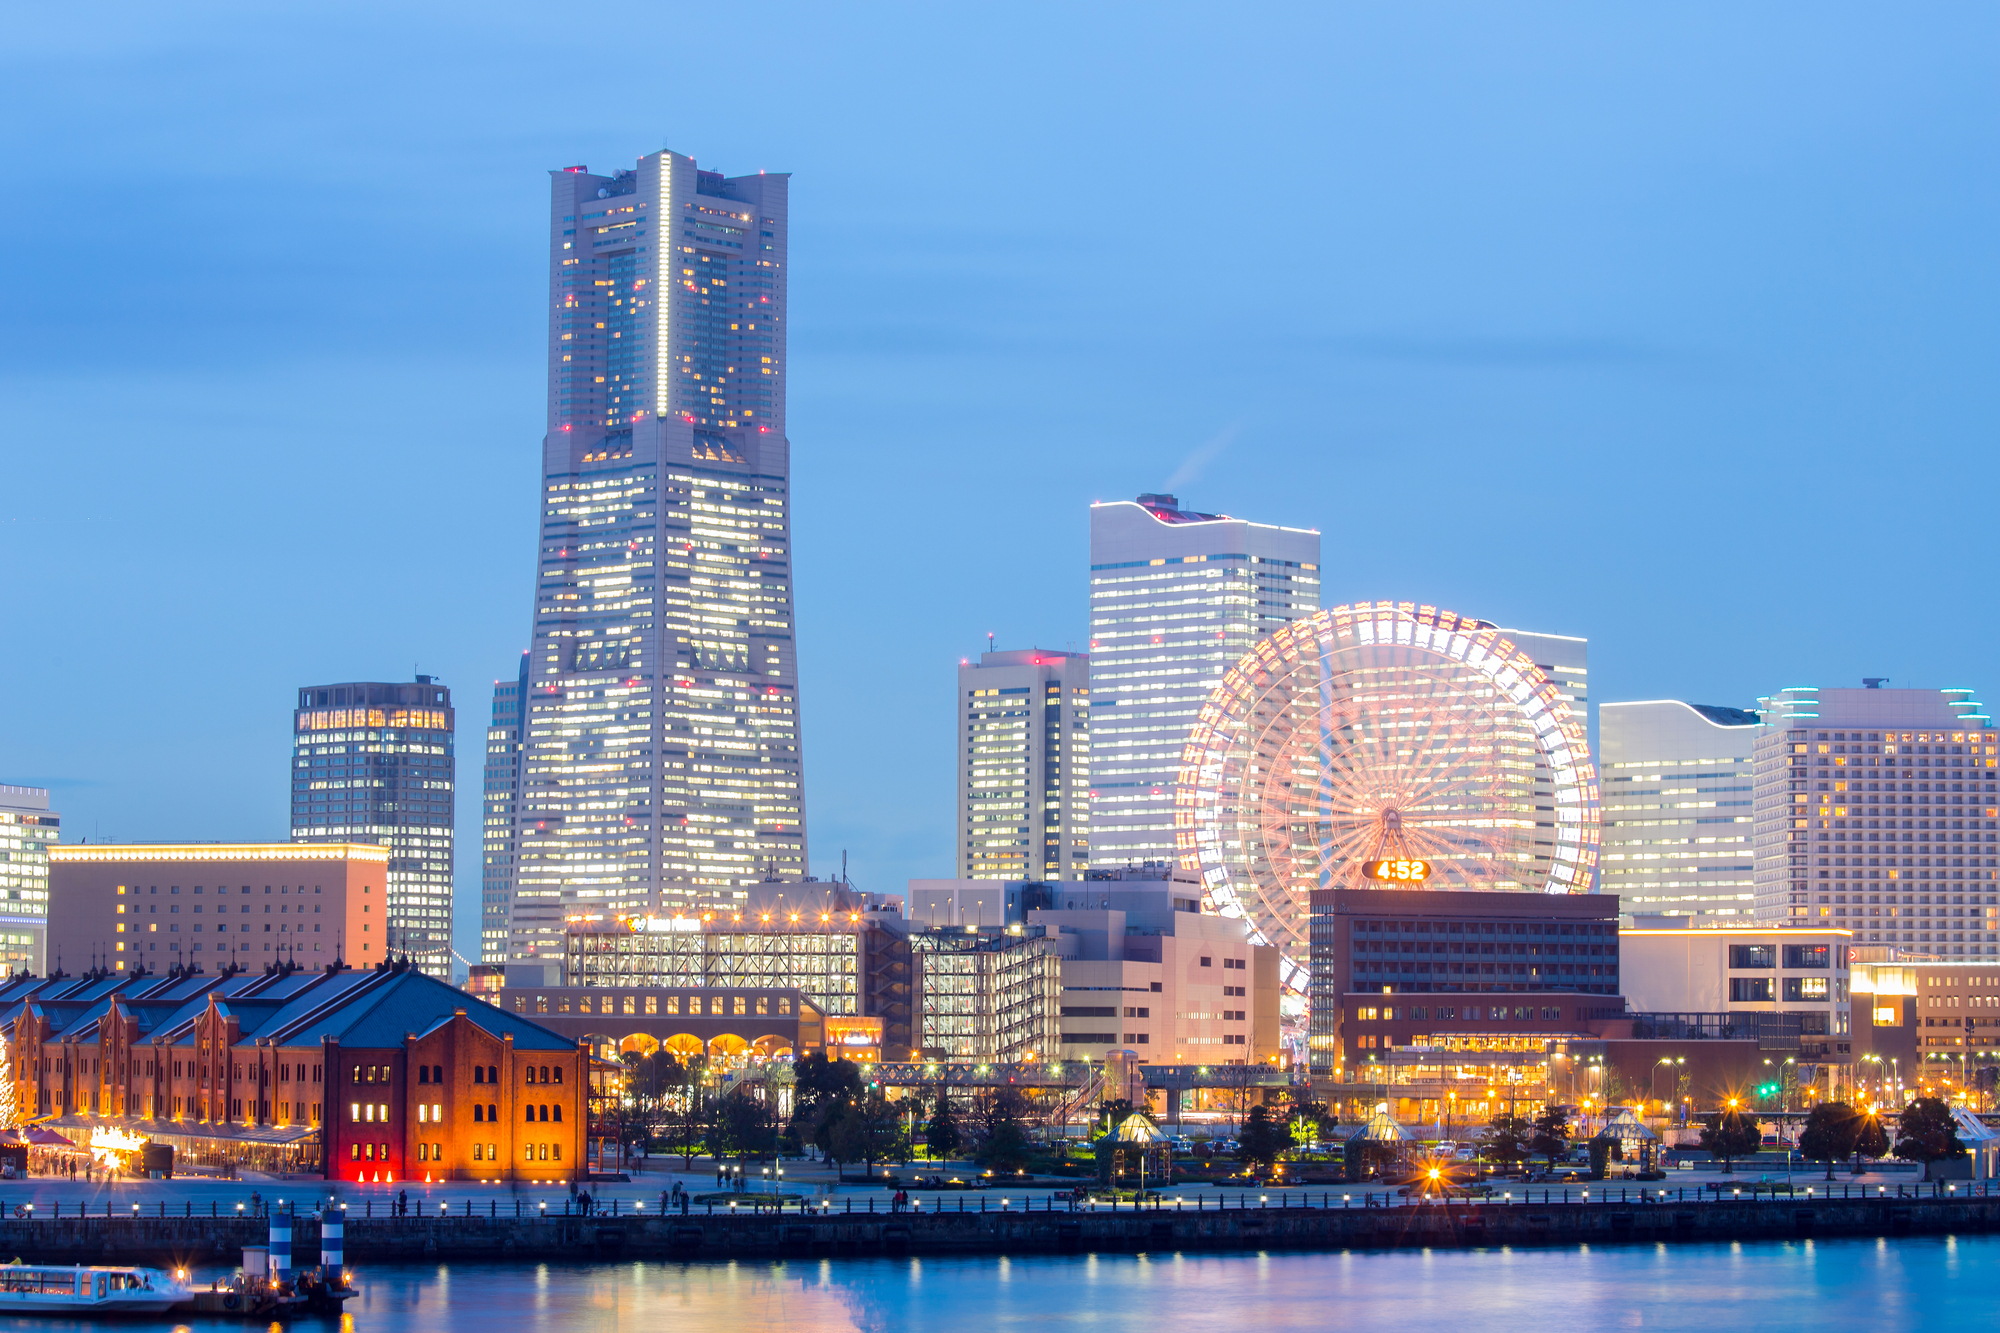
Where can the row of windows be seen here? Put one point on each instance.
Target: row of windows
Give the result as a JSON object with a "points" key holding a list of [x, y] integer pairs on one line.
{"points": [[719, 1006]]}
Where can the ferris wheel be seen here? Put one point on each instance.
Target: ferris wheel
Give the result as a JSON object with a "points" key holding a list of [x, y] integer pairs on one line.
{"points": [[1383, 745]]}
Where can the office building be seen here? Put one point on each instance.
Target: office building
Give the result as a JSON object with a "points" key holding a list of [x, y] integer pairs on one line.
{"points": [[1176, 597], [1145, 969], [374, 1075], [374, 762], [499, 831], [1023, 777], [1676, 785], [27, 829], [1878, 812], [661, 766], [1528, 958], [1745, 969], [215, 905]]}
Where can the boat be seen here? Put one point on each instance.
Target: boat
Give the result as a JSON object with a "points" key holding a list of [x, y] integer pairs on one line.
{"points": [[40, 1289]]}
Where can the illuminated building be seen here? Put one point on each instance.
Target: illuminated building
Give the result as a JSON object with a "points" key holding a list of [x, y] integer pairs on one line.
{"points": [[1023, 777], [377, 1075], [1878, 812], [1175, 597], [1745, 968], [213, 905], [986, 996], [498, 833], [373, 762], [660, 766], [1676, 786], [27, 828]]}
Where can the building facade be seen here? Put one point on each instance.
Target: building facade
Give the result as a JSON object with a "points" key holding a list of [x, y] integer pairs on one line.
{"points": [[985, 996], [27, 829], [370, 1076], [1677, 788], [374, 762], [500, 794], [661, 759], [1746, 969], [153, 907], [1176, 597], [1024, 774], [1517, 948], [1878, 811]]}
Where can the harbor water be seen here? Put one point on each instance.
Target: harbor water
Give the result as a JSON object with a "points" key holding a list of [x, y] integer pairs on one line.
{"points": [[1917, 1282]]}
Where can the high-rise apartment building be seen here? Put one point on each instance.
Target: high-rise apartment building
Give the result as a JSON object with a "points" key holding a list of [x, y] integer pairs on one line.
{"points": [[660, 764], [27, 829], [1024, 767], [1878, 812], [501, 790], [1676, 787], [1175, 598], [373, 762]]}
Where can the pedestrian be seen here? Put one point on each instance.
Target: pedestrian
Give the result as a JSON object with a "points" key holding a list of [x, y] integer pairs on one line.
{"points": [[402, 1202]]}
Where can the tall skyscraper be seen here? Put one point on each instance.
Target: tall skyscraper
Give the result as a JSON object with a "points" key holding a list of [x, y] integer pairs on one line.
{"points": [[501, 793], [1024, 774], [1878, 810], [27, 830], [1565, 658], [373, 762], [1175, 598], [661, 766], [1676, 785]]}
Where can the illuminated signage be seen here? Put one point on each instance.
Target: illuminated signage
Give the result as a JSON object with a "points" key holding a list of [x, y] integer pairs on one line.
{"points": [[1397, 870]]}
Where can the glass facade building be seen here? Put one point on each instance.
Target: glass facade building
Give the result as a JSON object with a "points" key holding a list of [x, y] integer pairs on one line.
{"points": [[501, 793], [27, 828], [1176, 597], [1676, 787], [1878, 811], [1024, 770], [373, 763], [660, 763]]}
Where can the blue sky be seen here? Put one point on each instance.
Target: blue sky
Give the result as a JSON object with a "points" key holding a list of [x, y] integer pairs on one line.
{"points": [[1674, 329]]}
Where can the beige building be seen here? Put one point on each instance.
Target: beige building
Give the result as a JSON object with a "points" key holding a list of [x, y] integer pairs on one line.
{"points": [[211, 905], [1741, 970], [1145, 970]]}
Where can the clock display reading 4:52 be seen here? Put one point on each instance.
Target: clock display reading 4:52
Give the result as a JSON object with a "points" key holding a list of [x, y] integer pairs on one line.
{"points": [[1397, 870]]}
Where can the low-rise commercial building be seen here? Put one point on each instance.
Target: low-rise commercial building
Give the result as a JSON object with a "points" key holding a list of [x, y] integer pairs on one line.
{"points": [[378, 1075], [1925, 1024], [1746, 969], [211, 905]]}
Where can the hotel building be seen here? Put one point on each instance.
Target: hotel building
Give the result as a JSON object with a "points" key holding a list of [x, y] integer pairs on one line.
{"points": [[661, 767], [1676, 787], [27, 830], [373, 762], [1878, 811], [1176, 597], [1023, 778], [132, 906]]}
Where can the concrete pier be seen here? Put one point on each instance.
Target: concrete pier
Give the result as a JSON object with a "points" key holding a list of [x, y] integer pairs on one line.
{"points": [[492, 1234]]}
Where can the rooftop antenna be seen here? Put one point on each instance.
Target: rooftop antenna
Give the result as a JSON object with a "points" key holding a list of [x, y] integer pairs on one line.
{"points": [[989, 641]]}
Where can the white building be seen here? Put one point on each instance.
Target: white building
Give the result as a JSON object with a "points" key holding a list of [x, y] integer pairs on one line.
{"points": [[1176, 597], [1676, 787], [499, 834], [1024, 765], [1744, 969], [1878, 810], [1565, 659], [27, 830]]}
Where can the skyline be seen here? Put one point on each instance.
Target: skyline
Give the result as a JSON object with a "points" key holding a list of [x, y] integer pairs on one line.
{"points": [[1699, 334]]}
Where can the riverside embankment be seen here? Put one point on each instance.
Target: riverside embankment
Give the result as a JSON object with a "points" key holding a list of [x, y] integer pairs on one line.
{"points": [[490, 1234]]}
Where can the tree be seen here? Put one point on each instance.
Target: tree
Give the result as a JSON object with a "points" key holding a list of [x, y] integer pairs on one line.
{"points": [[941, 1135], [1925, 1132], [1870, 1139], [1509, 1139], [1731, 1134], [1004, 1146], [865, 1130], [1113, 1114], [1551, 1137], [744, 1123], [819, 1083], [1262, 1139], [1829, 1134], [1308, 1123]]}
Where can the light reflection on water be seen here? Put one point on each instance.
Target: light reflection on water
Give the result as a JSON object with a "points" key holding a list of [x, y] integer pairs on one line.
{"points": [[1833, 1285]]}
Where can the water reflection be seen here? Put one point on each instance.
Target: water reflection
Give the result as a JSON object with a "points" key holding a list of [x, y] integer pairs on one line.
{"points": [[1838, 1285]]}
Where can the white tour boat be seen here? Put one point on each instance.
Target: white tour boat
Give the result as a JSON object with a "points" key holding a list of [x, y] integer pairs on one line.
{"points": [[38, 1288]]}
